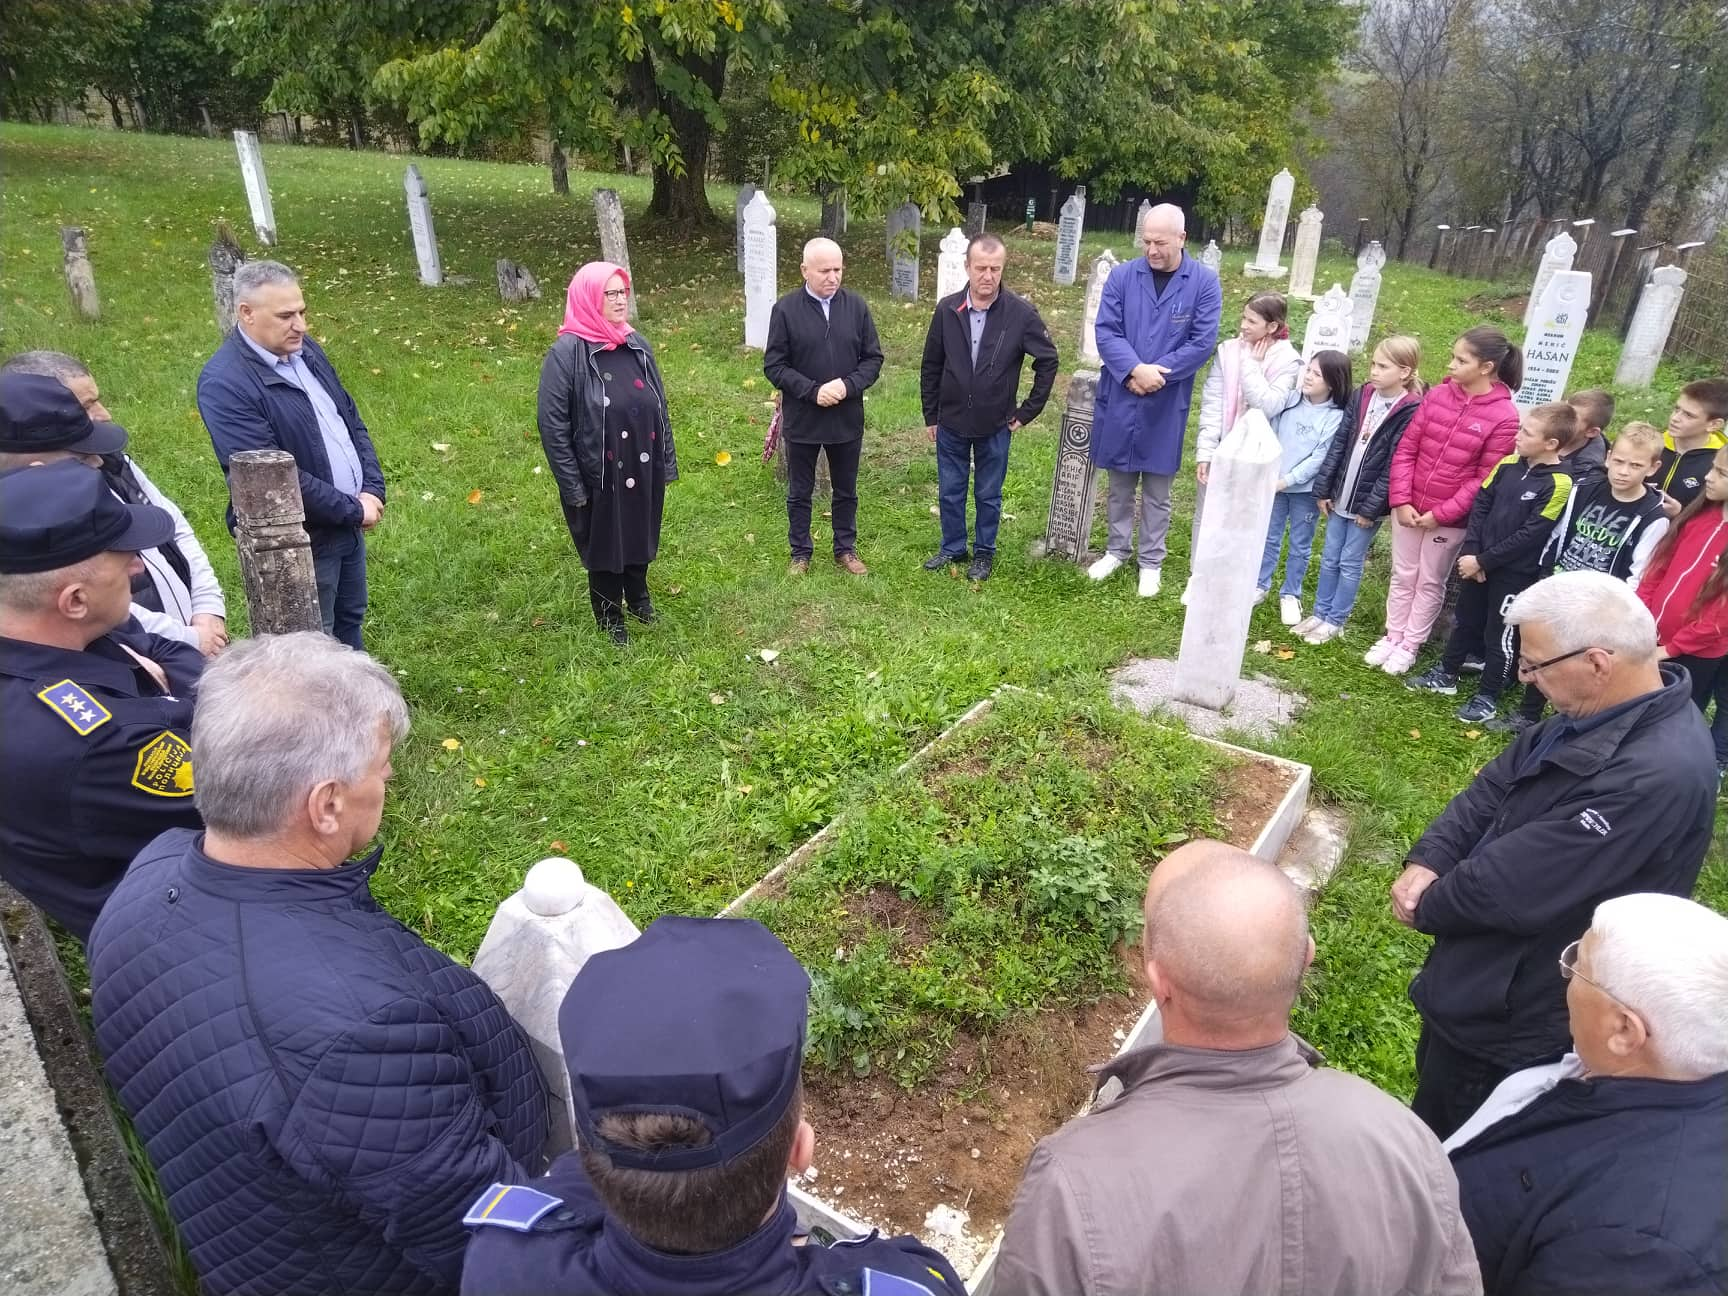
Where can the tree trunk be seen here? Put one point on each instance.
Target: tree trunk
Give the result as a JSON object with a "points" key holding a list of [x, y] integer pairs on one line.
{"points": [[560, 170], [114, 111], [681, 197]]}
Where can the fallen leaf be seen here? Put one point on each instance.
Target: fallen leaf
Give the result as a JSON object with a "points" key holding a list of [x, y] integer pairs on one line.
{"points": [[475, 496], [1415, 733], [722, 457], [718, 699], [427, 495], [673, 591], [452, 744], [749, 384], [1285, 654], [745, 789], [749, 537], [768, 654], [935, 512], [1472, 734], [479, 782], [440, 446], [1262, 645], [558, 846]]}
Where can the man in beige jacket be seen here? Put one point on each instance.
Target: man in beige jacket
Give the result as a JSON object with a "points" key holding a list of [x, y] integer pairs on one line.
{"points": [[1227, 1158]]}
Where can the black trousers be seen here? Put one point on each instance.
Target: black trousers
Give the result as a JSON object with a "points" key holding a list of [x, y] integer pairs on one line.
{"points": [[614, 589], [1479, 625], [801, 481], [1450, 1083]]}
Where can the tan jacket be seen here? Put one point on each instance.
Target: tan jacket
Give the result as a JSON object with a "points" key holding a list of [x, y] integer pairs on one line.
{"points": [[1261, 1172]]}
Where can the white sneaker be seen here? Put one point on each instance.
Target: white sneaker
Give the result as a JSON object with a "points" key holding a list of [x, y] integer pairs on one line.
{"points": [[1398, 661], [1105, 566], [1306, 626], [1377, 655], [1260, 596], [1325, 632], [1151, 581], [1289, 609]]}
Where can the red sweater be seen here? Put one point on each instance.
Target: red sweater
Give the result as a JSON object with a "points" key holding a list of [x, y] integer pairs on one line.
{"points": [[1450, 447], [1670, 588]]}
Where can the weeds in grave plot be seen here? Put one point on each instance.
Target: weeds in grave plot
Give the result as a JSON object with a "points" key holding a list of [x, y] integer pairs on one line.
{"points": [[996, 881]]}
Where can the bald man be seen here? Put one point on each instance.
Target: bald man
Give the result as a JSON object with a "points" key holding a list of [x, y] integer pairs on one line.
{"points": [[1157, 325], [1225, 1158], [822, 354]]}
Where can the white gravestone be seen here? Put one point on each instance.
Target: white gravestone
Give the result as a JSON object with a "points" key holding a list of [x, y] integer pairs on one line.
{"points": [[609, 213], [257, 187], [1239, 490], [1265, 263], [1101, 268], [1556, 256], [1658, 305], [1552, 341], [1328, 330], [1307, 253], [1140, 215], [1365, 293], [951, 263], [745, 194], [1068, 232], [905, 227], [760, 253], [537, 943], [420, 221], [1212, 257]]}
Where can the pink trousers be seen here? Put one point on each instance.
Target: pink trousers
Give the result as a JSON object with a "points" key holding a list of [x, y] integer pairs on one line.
{"points": [[1421, 563]]}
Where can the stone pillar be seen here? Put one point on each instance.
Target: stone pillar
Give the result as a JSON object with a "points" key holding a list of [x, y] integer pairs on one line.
{"points": [[951, 263], [745, 194], [1074, 487], [1265, 263], [1556, 256], [1307, 253], [1212, 257], [977, 214], [1440, 232], [1328, 330], [1140, 216], [270, 536], [1068, 233], [905, 228], [537, 943], [1101, 268], [516, 283], [1365, 293], [1658, 304], [80, 278], [420, 221], [609, 213], [1642, 269], [760, 265], [1239, 490], [1485, 240], [1552, 342], [257, 187], [1361, 235], [1683, 252], [225, 258], [1609, 279]]}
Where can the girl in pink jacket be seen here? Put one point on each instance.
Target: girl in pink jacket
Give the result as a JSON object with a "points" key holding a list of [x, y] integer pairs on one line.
{"points": [[1461, 430]]}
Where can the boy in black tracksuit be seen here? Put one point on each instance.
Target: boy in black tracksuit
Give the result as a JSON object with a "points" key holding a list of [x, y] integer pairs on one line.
{"points": [[1510, 522], [1695, 434]]}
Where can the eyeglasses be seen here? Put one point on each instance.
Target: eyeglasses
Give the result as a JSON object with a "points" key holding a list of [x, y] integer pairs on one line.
{"points": [[1533, 668], [617, 294], [1569, 969]]}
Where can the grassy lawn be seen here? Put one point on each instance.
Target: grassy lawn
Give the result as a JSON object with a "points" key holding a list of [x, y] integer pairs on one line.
{"points": [[677, 771]]}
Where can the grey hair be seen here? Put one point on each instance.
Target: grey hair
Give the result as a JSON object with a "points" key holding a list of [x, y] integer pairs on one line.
{"points": [[1666, 958], [278, 715], [984, 242], [1588, 609], [253, 275], [48, 364], [37, 591]]}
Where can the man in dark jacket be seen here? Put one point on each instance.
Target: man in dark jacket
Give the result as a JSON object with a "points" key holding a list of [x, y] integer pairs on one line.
{"points": [[969, 380], [1614, 794], [270, 387], [320, 1091], [1604, 1172], [822, 354]]}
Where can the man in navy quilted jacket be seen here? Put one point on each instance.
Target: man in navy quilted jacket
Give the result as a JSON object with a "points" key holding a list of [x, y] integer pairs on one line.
{"points": [[320, 1091]]}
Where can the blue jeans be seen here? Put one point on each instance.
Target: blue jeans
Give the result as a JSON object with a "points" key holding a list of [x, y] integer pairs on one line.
{"points": [[985, 460], [1298, 509], [1341, 560], [339, 563]]}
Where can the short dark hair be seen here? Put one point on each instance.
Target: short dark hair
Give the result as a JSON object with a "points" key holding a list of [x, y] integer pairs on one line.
{"points": [[1334, 367], [984, 242], [690, 1212], [1594, 406], [1559, 422], [1711, 393]]}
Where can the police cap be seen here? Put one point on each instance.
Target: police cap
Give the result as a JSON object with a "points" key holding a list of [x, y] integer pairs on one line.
{"points": [[38, 413], [697, 1017], [59, 514]]}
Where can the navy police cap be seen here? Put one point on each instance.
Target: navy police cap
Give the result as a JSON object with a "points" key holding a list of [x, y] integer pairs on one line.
{"points": [[58, 514], [38, 413], [697, 1017]]}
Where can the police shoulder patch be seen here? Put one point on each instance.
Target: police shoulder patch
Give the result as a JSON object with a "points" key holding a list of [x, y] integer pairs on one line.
{"points": [[510, 1206], [164, 766], [75, 706]]}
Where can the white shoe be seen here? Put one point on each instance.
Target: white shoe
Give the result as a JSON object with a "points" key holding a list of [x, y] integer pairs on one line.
{"points": [[1289, 609], [1325, 632], [1260, 596], [1151, 581], [1398, 661], [1105, 566], [1187, 590], [1377, 655], [1306, 626]]}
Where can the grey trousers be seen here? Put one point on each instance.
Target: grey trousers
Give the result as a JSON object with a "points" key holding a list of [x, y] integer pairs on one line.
{"points": [[1154, 515]]}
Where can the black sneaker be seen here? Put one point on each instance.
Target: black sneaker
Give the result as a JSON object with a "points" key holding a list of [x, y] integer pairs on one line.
{"points": [[1472, 666], [1516, 723], [981, 566], [1478, 709], [643, 611], [941, 560], [1436, 679]]}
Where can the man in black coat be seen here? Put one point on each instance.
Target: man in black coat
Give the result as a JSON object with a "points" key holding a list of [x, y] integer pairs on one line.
{"points": [[969, 379], [822, 354], [1614, 794]]}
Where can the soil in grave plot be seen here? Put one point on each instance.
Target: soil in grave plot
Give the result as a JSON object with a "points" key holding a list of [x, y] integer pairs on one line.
{"points": [[971, 933]]}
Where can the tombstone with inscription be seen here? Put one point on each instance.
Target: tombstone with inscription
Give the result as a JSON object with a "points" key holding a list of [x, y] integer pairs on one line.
{"points": [[1212, 256], [1068, 232], [760, 286], [1658, 305], [1265, 263], [609, 213], [1101, 268], [80, 278], [1365, 293], [745, 194], [977, 214], [1307, 253], [1329, 325], [257, 187], [905, 228], [1556, 256], [1074, 488], [951, 263], [1552, 341], [420, 221]]}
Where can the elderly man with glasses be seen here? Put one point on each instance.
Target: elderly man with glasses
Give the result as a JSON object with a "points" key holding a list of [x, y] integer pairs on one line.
{"points": [[1603, 1172], [1614, 794]]}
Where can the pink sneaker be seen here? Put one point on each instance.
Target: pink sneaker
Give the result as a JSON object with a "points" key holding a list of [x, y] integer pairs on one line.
{"points": [[1377, 655], [1398, 661]]}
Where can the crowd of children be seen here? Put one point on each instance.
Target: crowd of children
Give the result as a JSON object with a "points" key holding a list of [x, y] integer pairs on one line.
{"points": [[1479, 494]]}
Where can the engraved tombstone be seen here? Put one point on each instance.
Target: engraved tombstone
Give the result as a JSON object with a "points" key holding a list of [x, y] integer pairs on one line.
{"points": [[420, 221], [1552, 341], [1068, 232], [1556, 256], [1329, 325], [760, 290], [745, 194], [977, 214], [609, 213], [1307, 253], [1101, 268], [1074, 487], [951, 263], [1658, 305], [905, 227], [1365, 293], [1212, 257], [257, 187], [1278, 194]]}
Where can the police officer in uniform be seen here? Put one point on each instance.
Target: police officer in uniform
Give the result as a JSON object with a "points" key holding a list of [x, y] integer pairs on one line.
{"points": [[683, 1049], [95, 713]]}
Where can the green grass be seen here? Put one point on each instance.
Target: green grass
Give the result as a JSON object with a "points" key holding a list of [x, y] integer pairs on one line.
{"points": [[678, 771]]}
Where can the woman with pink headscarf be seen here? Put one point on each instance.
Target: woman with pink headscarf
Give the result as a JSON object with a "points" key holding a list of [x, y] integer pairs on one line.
{"points": [[604, 426]]}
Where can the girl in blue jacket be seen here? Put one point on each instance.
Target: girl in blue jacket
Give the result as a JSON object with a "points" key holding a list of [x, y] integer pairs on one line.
{"points": [[1311, 414]]}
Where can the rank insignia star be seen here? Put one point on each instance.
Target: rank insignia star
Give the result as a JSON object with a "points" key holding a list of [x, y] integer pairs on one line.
{"points": [[76, 707]]}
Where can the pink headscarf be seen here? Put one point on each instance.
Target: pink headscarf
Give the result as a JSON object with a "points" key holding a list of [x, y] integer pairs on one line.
{"points": [[583, 303]]}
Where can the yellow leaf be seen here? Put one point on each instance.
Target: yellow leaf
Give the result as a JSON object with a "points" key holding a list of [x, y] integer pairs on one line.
{"points": [[1472, 734], [559, 846], [1415, 733], [1285, 654], [479, 782], [723, 457], [475, 496], [452, 744], [718, 699]]}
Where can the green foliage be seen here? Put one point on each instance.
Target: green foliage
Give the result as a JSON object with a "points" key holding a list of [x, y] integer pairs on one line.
{"points": [[52, 50]]}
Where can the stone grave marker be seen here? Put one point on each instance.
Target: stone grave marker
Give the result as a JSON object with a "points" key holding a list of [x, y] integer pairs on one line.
{"points": [[1556, 256], [420, 220], [1658, 304], [516, 283], [80, 278], [1365, 293], [760, 253], [977, 214], [1552, 341], [1074, 487], [1140, 215], [905, 228], [1307, 253], [1068, 232], [1328, 330], [745, 194], [609, 213], [1278, 194], [833, 205], [1101, 268], [225, 258], [951, 263], [257, 187], [1212, 257]]}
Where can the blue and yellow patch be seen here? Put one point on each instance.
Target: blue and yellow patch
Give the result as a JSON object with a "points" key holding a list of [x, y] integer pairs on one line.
{"points": [[75, 706], [510, 1206], [164, 766]]}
